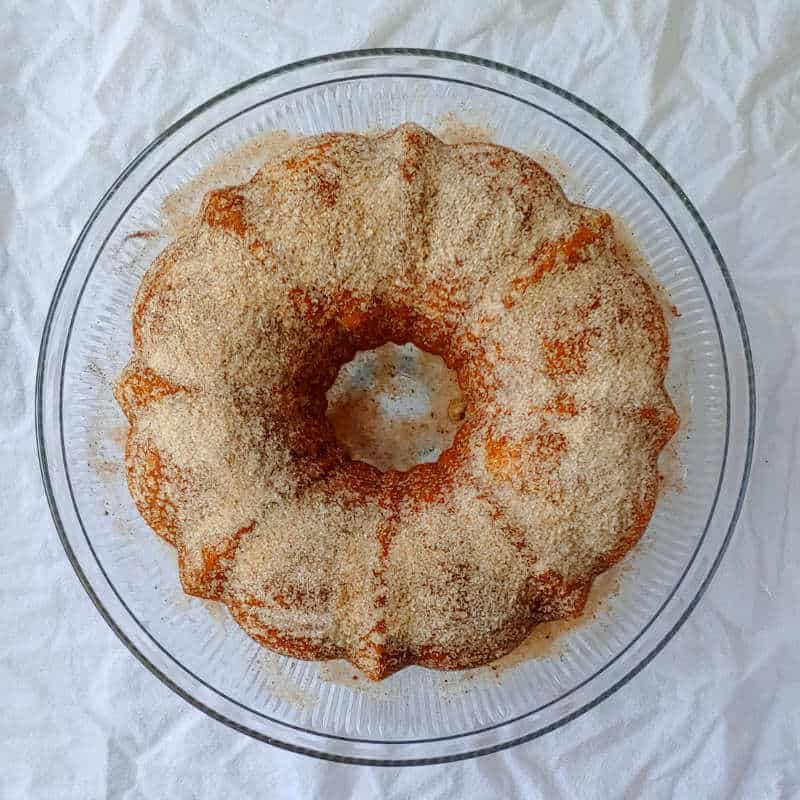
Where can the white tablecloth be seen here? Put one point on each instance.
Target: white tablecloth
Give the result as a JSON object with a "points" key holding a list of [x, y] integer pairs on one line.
{"points": [[713, 89]]}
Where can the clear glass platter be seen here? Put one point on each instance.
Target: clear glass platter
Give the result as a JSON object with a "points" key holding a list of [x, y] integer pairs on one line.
{"points": [[417, 716]]}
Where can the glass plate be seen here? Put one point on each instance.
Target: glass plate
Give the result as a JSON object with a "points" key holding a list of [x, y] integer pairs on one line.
{"points": [[417, 716]]}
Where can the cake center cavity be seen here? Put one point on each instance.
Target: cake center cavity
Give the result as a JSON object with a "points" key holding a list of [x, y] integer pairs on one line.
{"points": [[395, 406]]}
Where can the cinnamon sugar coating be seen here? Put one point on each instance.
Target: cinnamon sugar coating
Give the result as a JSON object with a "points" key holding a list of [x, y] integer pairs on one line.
{"points": [[344, 243]]}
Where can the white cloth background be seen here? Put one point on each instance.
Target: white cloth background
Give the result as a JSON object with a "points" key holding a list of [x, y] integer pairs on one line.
{"points": [[713, 89]]}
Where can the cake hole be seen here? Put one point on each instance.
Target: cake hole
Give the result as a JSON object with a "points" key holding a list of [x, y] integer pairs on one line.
{"points": [[395, 406]]}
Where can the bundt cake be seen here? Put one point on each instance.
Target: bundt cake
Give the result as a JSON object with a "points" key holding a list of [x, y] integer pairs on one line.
{"points": [[344, 243]]}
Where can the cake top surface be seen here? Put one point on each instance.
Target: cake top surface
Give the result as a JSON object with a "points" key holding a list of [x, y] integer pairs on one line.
{"points": [[471, 252]]}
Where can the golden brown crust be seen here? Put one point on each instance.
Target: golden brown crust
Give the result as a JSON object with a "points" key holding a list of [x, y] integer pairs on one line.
{"points": [[152, 481], [344, 243]]}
